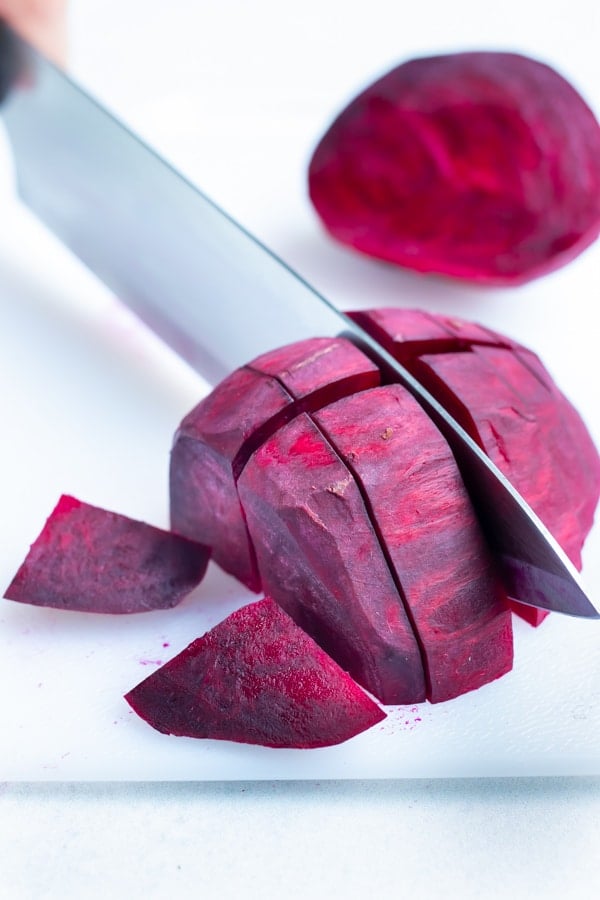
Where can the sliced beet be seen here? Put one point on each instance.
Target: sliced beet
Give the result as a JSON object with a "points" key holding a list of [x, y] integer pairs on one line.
{"points": [[203, 494], [354, 511], [92, 560], [482, 166], [502, 395], [532, 433], [320, 558], [214, 441], [255, 678], [431, 536]]}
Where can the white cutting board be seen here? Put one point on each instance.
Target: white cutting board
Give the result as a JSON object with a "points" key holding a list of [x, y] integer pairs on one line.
{"points": [[89, 400]]}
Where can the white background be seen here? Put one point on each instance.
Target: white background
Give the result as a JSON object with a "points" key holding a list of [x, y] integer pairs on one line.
{"points": [[236, 94]]}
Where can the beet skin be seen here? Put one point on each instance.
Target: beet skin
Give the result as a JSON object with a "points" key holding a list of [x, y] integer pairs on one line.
{"points": [[255, 678], [483, 166], [92, 560]]}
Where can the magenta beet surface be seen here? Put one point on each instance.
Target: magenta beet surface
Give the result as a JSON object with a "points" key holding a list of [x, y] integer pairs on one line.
{"points": [[480, 166], [217, 437], [503, 396], [255, 678], [92, 560], [353, 509]]}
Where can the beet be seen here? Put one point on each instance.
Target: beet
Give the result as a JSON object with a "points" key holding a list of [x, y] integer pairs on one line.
{"points": [[353, 509], [506, 400], [428, 527], [320, 557], [92, 560], [255, 678], [482, 166], [215, 440]]}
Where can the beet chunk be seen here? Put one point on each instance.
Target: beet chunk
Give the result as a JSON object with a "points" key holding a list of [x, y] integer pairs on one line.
{"points": [[92, 560], [482, 166], [507, 401], [319, 556], [203, 494], [255, 678], [215, 440], [428, 527]]}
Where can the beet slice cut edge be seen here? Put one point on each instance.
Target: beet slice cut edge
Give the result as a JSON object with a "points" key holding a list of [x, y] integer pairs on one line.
{"points": [[255, 678], [91, 560]]}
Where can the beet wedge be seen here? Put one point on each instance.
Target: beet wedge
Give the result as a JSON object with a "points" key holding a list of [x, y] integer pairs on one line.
{"points": [[92, 560], [255, 678], [503, 396], [217, 437], [430, 534], [319, 556]]}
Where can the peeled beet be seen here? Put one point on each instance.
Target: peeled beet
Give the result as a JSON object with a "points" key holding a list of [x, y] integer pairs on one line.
{"points": [[353, 509], [313, 532], [92, 560], [506, 400], [255, 678], [482, 166]]}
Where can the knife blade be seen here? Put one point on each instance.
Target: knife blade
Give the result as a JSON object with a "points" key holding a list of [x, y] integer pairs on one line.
{"points": [[212, 291]]}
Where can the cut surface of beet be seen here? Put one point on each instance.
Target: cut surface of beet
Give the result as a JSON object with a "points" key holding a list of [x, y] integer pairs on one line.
{"points": [[255, 678], [409, 333], [321, 559], [92, 560], [355, 515], [503, 396], [534, 436], [483, 166], [431, 536], [215, 440]]}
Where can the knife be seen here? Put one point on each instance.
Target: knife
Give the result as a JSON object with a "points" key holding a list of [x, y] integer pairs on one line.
{"points": [[203, 283]]}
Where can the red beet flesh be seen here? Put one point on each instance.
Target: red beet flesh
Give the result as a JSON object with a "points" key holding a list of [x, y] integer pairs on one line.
{"points": [[92, 560], [255, 678], [503, 396], [218, 436], [355, 514], [357, 519], [320, 557], [430, 534], [483, 166]]}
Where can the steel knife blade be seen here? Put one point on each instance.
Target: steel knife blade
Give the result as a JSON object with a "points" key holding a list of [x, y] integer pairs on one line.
{"points": [[203, 283]]}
